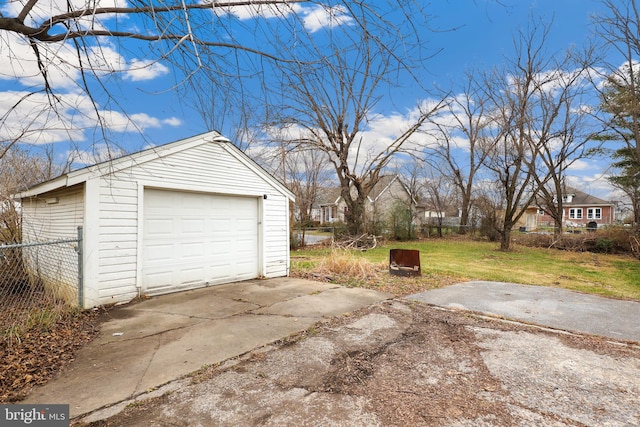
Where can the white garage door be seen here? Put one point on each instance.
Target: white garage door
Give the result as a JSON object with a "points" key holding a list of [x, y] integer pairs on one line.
{"points": [[193, 239]]}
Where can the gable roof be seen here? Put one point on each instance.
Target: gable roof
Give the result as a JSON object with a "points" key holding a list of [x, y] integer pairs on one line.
{"points": [[110, 166], [582, 198], [328, 196], [332, 195]]}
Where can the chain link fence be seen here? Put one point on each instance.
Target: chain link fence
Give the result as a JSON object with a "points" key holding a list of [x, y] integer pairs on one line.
{"points": [[38, 283]]}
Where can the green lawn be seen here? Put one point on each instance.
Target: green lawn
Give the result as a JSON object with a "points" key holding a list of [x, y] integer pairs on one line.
{"points": [[609, 275]]}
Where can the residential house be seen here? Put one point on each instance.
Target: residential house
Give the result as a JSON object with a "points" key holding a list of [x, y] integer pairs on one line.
{"points": [[579, 210], [331, 207]]}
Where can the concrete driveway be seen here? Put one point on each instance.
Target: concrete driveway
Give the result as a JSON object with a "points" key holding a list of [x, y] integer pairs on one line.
{"points": [[145, 345], [143, 348]]}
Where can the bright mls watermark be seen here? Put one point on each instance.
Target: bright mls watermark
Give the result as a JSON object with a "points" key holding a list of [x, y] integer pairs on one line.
{"points": [[34, 415]]}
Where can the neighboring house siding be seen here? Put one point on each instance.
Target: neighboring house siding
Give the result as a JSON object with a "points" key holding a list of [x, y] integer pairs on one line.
{"points": [[579, 215], [384, 204], [578, 212], [377, 206]]}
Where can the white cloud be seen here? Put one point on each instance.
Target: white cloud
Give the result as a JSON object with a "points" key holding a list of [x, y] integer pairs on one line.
{"points": [[314, 18], [172, 121], [142, 69], [595, 185], [119, 122], [44, 9], [30, 118], [580, 165], [18, 62], [319, 17], [245, 12], [98, 153]]}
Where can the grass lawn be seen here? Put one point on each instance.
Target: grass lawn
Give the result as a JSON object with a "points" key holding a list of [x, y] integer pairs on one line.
{"points": [[448, 261]]}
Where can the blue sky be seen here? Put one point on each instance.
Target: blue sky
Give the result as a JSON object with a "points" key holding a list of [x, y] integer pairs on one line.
{"points": [[465, 33]]}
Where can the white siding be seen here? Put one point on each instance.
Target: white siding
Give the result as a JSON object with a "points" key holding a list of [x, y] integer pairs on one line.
{"points": [[108, 201], [54, 216], [117, 235], [205, 168], [43, 220], [276, 257]]}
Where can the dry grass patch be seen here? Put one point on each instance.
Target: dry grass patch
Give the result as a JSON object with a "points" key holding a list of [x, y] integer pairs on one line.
{"points": [[351, 268], [346, 263]]}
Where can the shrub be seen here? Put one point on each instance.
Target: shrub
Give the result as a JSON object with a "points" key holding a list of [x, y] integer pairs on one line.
{"points": [[401, 222], [618, 240]]}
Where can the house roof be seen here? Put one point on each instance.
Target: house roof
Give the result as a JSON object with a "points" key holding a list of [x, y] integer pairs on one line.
{"points": [[82, 175], [328, 196], [382, 185], [331, 195], [582, 198]]}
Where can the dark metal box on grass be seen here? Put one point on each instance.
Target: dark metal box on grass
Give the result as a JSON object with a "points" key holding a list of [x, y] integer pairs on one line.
{"points": [[404, 262]]}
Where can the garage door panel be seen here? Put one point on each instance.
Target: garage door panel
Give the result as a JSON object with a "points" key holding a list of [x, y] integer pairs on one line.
{"points": [[193, 250], [192, 239], [191, 275], [158, 253], [159, 227], [161, 276], [192, 225]]}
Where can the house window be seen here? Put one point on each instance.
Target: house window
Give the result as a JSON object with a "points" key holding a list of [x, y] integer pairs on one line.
{"points": [[594, 213], [575, 213], [540, 211]]}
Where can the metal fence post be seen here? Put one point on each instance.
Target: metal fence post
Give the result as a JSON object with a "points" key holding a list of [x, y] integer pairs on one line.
{"points": [[80, 272]]}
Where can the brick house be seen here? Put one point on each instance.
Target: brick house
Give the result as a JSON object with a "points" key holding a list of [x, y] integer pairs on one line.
{"points": [[580, 210]]}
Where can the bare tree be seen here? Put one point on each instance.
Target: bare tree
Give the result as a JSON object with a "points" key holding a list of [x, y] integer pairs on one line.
{"points": [[307, 172], [563, 130], [462, 142], [328, 105], [20, 169], [543, 125], [620, 32], [439, 197], [513, 93], [85, 43], [203, 44]]}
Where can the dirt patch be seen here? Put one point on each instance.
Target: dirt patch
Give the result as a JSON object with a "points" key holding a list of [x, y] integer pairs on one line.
{"points": [[402, 363]]}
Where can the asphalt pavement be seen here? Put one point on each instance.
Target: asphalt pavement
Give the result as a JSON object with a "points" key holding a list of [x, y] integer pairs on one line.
{"points": [[550, 307]]}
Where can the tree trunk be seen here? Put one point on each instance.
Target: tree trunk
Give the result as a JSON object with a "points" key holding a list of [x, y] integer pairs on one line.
{"points": [[354, 216], [464, 216], [557, 228], [505, 239]]}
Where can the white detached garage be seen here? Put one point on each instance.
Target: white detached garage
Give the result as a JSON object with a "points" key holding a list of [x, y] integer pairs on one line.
{"points": [[192, 213]]}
